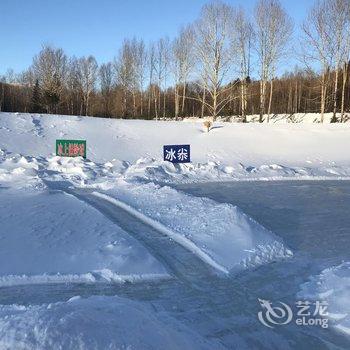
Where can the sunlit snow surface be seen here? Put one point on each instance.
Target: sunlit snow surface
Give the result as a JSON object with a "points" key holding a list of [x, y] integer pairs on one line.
{"points": [[155, 279], [333, 287]]}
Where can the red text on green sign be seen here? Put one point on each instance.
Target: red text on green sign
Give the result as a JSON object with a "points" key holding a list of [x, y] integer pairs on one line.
{"points": [[71, 148]]}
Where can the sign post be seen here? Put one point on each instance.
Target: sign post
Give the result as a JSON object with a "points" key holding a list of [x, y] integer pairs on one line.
{"points": [[71, 148], [177, 153]]}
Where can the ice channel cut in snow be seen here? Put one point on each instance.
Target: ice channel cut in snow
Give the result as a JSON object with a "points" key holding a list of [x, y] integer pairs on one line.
{"points": [[219, 234]]}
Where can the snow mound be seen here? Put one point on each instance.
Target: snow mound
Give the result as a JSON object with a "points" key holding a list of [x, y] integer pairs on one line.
{"points": [[94, 323], [151, 169], [50, 237], [222, 231], [332, 286], [18, 169]]}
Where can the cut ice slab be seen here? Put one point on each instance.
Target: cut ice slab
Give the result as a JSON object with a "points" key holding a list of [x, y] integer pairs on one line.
{"points": [[225, 236], [97, 322], [53, 237]]}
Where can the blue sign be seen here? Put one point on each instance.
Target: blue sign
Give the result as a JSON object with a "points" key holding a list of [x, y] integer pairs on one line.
{"points": [[177, 153]]}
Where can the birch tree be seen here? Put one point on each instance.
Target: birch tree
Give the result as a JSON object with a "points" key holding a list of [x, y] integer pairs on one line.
{"points": [[151, 85], [242, 36], [272, 32], [87, 78], [125, 73], [106, 82], [339, 16], [318, 40], [345, 73], [182, 63], [140, 64], [161, 69], [212, 50]]}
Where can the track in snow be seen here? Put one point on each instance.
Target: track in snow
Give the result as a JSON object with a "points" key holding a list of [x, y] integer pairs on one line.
{"points": [[178, 260]]}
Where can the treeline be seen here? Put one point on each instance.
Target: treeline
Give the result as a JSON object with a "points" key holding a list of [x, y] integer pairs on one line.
{"points": [[224, 63]]}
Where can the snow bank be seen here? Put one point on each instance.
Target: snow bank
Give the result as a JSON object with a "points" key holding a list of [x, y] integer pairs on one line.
{"points": [[151, 169], [221, 231], [95, 323], [133, 148], [54, 238], [332, 286], [20, 170]]}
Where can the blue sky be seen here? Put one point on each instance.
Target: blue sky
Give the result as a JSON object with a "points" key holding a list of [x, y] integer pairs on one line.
{"points": [[83, 27]]}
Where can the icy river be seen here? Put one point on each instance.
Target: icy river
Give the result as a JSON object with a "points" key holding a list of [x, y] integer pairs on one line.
{"points": [[312, 217]]}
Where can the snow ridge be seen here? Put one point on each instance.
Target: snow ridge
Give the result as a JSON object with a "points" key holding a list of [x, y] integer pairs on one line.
{"points": [[98, 276], [183, 241]]}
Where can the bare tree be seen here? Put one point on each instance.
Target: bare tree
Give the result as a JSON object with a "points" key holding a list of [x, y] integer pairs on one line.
{"points": [[212, 50], [182, 62], [50, 67], [339, 16], [273, 30], [106, 82], [87, 79], [242, 36], [74, 96], [161, 69], [345, 72], [125, 73], [318, 40], [140, 68], [151, 85]]}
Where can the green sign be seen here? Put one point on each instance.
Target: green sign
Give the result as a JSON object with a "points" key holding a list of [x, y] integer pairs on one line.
{"points": [[71, 148]]}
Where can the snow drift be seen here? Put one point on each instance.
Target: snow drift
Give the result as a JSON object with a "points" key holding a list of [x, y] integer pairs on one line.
{"points": [[332, 286], [52, 238], [95, 323]]}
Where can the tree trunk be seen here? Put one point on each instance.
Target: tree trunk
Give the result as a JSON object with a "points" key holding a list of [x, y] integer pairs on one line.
{"points": [[323, 95], [87, 106], [183, 99], [149, 102], [203, 104], [164, 105], [345, 76], [270, 101], [244, 100], [176, 102], [133, 104], [262, 99], [155, 105], [335, 95], [141, 103]]}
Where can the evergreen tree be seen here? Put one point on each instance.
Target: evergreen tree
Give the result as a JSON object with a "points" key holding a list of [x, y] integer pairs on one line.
{"points": [[36, 99]]}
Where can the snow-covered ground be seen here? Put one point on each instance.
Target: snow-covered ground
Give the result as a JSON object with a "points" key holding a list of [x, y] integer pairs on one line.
{"points": [[94, 323], [133, 148], [62, 218], [53, 237], [333, 287]]}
